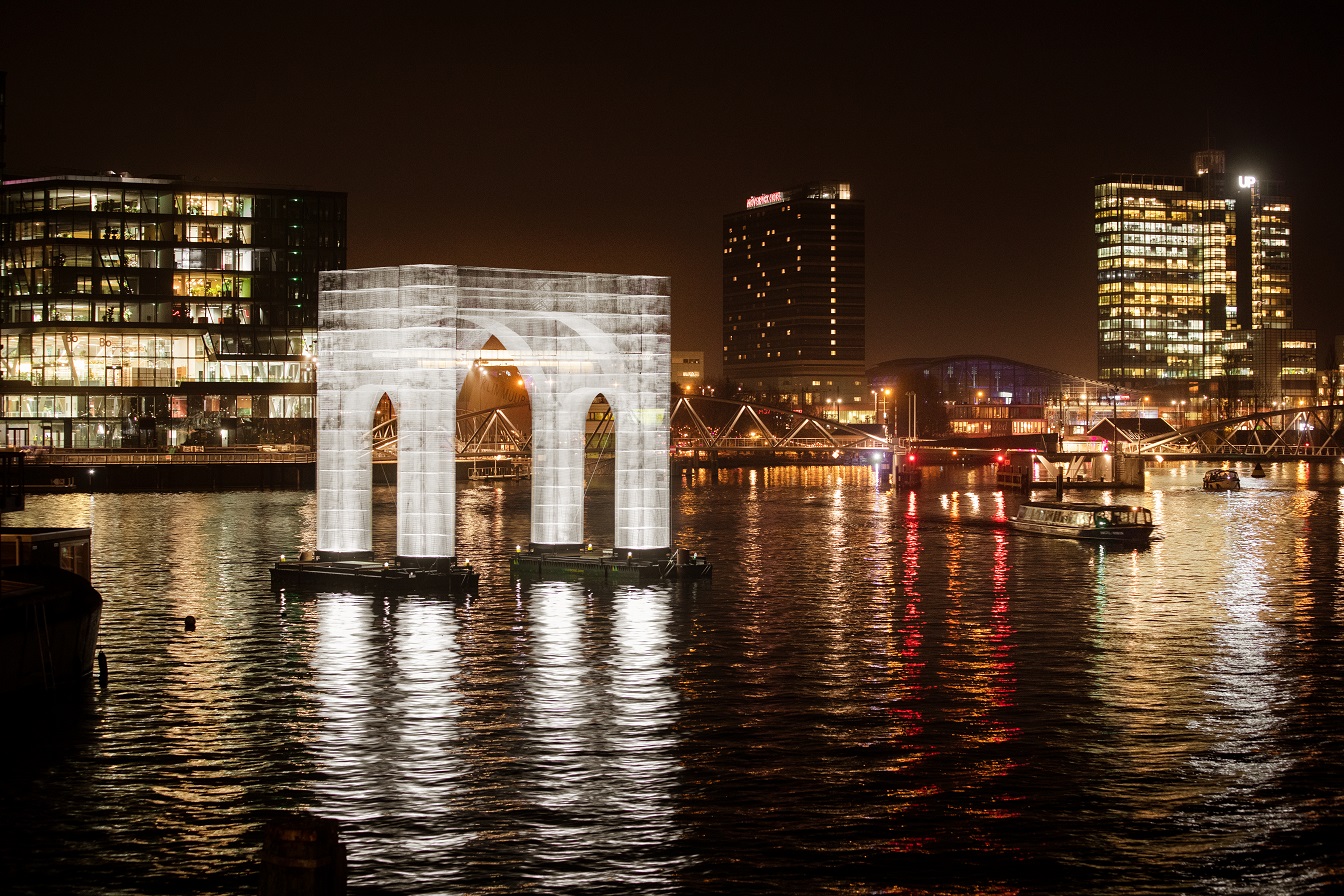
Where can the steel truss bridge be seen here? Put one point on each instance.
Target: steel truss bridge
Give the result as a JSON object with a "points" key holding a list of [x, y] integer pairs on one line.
{"points": [[1288, 434], [706, 429], [700, 426]]}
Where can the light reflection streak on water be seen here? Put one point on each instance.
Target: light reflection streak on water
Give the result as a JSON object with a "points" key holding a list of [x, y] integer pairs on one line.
{"points": [[390, 746], [1339, 556], [602, 758], [344, 664], [1186, 666], [564, 777], [1000, 514], [975, 679], [1147, 647], [907, 691], [1004, 684], [750, 523], [427, 739], [645, 768]]}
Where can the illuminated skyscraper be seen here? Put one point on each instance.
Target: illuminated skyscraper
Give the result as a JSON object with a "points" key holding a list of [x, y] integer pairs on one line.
{"points": [[1182, 261], [793, 297], [142, 311]]}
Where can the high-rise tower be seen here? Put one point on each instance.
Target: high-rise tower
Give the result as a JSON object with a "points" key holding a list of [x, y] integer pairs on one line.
{"points": [[793, 297], [1181, 262]]}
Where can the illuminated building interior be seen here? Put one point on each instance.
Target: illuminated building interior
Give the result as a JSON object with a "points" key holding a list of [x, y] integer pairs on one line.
{"points": [[1185, 264], [794, 299], [154, 312], [415, 333]]}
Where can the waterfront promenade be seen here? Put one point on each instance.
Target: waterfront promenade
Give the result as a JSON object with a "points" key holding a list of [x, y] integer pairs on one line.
{"points": [[85, 470]]}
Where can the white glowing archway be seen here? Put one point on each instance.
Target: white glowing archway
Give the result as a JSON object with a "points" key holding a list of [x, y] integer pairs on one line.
{"points": [[413, 332]]}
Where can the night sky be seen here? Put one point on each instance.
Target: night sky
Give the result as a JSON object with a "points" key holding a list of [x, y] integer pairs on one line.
{"points": [[616, 141]]}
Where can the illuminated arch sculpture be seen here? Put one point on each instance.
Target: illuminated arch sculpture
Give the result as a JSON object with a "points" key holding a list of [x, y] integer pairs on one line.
{"points": [[412, 332]]}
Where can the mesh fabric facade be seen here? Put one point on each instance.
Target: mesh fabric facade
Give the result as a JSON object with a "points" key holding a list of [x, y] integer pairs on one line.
{"points": [[413, 333]]}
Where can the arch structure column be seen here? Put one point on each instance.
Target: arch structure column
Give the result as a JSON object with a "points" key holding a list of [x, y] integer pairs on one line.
{"points": [[414, 332]]}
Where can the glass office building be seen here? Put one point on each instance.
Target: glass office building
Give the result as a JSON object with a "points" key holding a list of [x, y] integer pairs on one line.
{"points": [[156, 312], [794, 298], [1183, 261]]}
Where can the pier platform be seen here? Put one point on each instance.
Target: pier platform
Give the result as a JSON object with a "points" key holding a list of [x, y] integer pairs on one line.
{"points": [[604, 566], [373, 577]]}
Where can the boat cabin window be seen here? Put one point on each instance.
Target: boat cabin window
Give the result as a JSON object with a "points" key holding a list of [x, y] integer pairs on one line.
{"points": [[1123, 516]]}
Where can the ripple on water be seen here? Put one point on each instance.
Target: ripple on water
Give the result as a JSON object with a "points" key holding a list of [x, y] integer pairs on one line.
{"points": [[879, 692]]}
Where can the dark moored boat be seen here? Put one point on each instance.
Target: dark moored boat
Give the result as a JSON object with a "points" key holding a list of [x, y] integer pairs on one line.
{"points": [[49, 613]]}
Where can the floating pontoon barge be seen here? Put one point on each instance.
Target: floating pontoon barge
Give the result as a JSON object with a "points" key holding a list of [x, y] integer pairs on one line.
{"points": [[606, 566], [374, 577]]}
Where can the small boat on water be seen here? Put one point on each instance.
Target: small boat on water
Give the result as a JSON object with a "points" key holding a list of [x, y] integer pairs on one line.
{"points": [[1090, 522], [497, 472], [1221, 481]]}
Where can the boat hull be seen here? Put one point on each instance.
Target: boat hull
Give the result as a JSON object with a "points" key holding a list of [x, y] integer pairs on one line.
{"points": [[1118, 535], [48, 629]]}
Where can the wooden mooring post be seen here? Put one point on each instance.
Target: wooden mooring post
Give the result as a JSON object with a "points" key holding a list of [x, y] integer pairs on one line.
{"points": [[302, 855]]}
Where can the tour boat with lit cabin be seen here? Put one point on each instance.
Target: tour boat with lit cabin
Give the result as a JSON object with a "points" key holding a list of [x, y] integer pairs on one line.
{"points": [[1090, 522], [1221, 481]]}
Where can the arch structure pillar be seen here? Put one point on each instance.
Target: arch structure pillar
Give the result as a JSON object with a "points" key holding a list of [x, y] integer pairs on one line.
{"points": [[414, 332]]}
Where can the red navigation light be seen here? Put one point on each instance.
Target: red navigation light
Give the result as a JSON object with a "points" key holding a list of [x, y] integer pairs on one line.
{"points": [[910, 458], [999, 459]]}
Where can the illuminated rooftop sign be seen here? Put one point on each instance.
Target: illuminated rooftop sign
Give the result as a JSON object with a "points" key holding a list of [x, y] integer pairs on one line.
{"points": [[765, 199], [1245, 182]]}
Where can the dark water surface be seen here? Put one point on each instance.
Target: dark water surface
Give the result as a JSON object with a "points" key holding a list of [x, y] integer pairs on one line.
{"points": [[879, 692]]}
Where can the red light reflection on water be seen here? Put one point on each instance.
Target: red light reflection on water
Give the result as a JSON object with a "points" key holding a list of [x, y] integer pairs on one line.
{"points": [[955, 687], [1003, 683], [911, 636]]}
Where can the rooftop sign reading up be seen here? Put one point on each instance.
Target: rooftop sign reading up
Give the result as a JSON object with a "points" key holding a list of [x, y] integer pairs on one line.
{"points": [[765, 199]]}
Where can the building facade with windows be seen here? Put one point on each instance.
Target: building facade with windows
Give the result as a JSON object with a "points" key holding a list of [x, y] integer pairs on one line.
{"points": [[688, 372], [158, 311], [1269, 367], [1184, 263], [794, 298]]}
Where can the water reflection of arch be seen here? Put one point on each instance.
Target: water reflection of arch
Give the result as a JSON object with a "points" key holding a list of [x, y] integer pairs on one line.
{"points": [[412, 333]]}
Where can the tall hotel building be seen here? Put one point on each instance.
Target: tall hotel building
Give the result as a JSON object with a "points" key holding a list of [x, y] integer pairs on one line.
{"points": [[141, 311], [1188, 267], [793, 298]]}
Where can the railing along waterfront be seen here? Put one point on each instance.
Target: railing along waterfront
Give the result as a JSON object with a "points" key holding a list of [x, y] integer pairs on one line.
{"points": [[69, 458]]}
